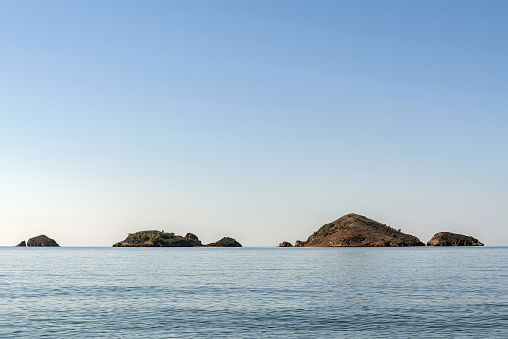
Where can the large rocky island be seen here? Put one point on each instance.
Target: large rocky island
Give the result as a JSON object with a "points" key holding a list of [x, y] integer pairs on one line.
{"points": [[353, 230], [453, 239], [153, 238], [41, 240]]}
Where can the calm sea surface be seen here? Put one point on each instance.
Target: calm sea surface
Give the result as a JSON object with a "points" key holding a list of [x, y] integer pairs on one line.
{"points": [[254, 292]]}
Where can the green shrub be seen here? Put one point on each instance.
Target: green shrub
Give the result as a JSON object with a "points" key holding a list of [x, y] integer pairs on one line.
{"points": [[328, 229]]}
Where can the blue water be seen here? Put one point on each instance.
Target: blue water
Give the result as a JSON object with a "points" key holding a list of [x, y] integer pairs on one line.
{"points": [[254, 292]]}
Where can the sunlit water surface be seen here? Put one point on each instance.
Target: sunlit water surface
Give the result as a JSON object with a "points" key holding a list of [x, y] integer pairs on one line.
{"points": [[254, 292]]}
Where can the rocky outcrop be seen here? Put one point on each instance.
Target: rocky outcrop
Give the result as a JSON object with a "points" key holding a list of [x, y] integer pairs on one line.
{"points": [[154, 238], [285, 244], [299, 243], [21, 244], [225, 242], [453, 239], [353, 230], [41, 240], [191, 236]]}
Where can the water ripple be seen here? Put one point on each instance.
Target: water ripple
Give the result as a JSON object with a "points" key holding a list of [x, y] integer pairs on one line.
{"points": [[253, 293]]}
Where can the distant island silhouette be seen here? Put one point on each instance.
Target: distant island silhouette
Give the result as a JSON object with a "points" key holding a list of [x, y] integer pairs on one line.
{"points": [[354, 230], [453, 239], [41, 241], [153, 238], [350, 230]]}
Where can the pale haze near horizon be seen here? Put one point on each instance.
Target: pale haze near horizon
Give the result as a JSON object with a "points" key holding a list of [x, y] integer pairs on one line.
{"points": [[257, 120]]}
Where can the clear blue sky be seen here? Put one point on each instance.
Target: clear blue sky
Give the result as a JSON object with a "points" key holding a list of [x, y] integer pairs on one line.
{"points": [[260, 120]]}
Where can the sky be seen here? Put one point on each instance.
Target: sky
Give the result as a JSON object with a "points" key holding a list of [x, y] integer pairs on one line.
{"points": [[258, 120]]}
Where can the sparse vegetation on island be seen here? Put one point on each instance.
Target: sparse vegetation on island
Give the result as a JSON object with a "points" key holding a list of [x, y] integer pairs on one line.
{"points": [[225, 242], [39, 241], [154, 238], [453, 239], [353, 230]]}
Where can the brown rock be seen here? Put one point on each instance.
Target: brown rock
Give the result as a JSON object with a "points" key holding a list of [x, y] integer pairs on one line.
{"points": [[285, 244], [42, 240], [21, 244], [225, 242], [299, 243], [453, 239], [353, 230], [192, 236], [154, 238]]}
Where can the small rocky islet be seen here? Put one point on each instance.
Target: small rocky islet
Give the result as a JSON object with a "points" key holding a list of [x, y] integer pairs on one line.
{"points": [[453, 239], [225, 242], [354, 230], [154, 238], [39, 241]]}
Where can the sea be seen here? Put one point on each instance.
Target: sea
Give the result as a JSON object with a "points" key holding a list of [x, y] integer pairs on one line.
{"points": [[419, 292]]}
